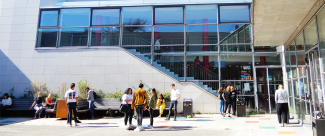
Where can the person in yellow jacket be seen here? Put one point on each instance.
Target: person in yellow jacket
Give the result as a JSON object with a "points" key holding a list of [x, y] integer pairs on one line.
{"points": [[161, 104], [140, 102]]}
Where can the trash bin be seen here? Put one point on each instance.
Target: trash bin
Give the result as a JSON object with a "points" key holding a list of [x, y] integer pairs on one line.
{"points": [[187, 107], [241, 109], [318, 124]]}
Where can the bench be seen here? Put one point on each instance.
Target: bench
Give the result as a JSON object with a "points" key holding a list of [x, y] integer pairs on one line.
{"points": [[21, 104], [107, 104], [53, 110], [82, 106]]}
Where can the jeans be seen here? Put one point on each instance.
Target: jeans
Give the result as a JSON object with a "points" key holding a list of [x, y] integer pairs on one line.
{"points": [[228, 103], [139, 109], [282, 108], [234, 104], [38, 108], [91, 108], [48, 106], [128, 115], [173, 103], [72, 108], [222, 105], [151, 116]]}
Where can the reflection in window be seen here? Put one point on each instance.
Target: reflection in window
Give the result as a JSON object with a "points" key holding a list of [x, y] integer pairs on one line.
{"points": [[235, 33], [173, 62], [139, 49], [168, 49], [137, 15], [239, 86], [201, 14], [104, 36], [235, 48], [299, 43], [106, 17], [73, 37], [169, 34], [202, 34], [234, 13], [293, 55], [49, 18], [262, 59], [47, 37], [310, 34], [137, 35], [203, 67], [237, 66], [74, 17], [169, 15], [204, 48], [267, 49]]}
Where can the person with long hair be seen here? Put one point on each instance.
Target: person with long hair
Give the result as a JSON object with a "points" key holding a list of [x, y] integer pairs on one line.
{"points": [[281, 99], [6, 102], [234, 99], [152, 105], [227, 97], [71, 97], [221, 100], [127, 99], [48, 102], [161, 104]]}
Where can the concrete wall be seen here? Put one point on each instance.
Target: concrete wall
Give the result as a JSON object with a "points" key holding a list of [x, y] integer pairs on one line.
{"points": [[106, 69]]}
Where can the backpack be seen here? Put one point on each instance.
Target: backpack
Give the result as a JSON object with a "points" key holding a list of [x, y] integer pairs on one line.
{"points": [[95, 95]]}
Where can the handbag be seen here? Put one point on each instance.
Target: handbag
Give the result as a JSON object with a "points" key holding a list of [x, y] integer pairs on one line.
{"points": [[124, 108]]}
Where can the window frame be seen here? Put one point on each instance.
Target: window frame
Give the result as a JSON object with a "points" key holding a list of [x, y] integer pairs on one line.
{"points": [[40, 17], [91, 17], [173, 6], [242, 22]]}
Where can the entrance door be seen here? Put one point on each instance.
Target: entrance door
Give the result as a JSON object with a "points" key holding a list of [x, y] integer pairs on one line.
{"points": [[268, 80]]}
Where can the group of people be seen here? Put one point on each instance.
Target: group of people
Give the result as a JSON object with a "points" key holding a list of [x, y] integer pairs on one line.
{"points": [[228, 98]]}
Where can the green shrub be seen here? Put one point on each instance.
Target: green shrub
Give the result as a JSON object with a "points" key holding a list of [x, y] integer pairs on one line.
{"points": [[197, 112], [166, 96], [189, 116], [117, 94], [82, 85]]}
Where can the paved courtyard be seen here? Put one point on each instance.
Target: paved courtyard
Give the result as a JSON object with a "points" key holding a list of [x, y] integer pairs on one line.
{"points": [[200, 125]]}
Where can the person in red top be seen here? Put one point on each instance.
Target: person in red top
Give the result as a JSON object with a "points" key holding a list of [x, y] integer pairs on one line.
{"points": [[196, 66], [49, 105]]}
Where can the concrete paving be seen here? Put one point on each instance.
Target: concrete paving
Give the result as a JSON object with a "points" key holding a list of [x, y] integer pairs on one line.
{"points": [[200, 125]]}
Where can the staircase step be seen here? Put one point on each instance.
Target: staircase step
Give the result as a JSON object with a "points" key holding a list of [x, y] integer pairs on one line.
{"points": [[190, 78]]}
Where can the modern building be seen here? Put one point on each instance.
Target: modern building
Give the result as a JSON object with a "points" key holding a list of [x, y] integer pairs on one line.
{"points": [[200, 45]]}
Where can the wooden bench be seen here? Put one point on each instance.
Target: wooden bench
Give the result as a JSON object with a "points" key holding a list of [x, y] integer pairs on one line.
{"points": [[82, 106], [21, 104]]}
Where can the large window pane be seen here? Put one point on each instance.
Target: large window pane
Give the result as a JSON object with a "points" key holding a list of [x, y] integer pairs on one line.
{"points": [[73, 37], [169, 49], [173, 64], [201, 14], [238, 66], [301, 58], [267, 49], [137, 35], [240, 88], [47, 37], [321, 31], [106, 17], [137, 15], [74, 17], [203, 67], [202, 48], [299, 43], [234, 13], [263, 59], [202, 34], [293, 55], [104, 36], [49, 18], [169, 35], [168, 15], [235, 33], [310, 34], [235, 48]]}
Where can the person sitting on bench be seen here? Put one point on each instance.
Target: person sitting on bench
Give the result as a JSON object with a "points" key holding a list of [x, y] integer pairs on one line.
{"points": [[38, 105], [6, 102]]}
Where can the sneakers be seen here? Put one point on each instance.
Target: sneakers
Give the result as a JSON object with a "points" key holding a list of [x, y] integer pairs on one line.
{"points": [[175, 119], [229, 116], [159, 116], [69, 125], [285, 125], [167, 119], [149, 127], [137, 129], [35, 117], [280, 125], [141, 129]]}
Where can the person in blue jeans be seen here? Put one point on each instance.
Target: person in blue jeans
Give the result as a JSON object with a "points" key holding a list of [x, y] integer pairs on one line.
{"points": [[221, 100], [174, 96], [91, 101]]}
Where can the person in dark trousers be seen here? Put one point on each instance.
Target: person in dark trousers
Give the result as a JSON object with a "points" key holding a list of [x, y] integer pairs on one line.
{"points": [[234, 99], [48, 102], [196, 66], [174, 96], [127, 99], [38, 105], [281, 99], [5, 103], [227, 97], [91, 100], [71, 97], [221, 100], [139, 102], [152, 105]]}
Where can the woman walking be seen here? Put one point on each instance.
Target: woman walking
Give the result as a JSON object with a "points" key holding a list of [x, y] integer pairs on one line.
{"points": [[227, 97], [221, 100], [127, 99], [161, 104], [152, 105], [281, 99], [48, 102]]}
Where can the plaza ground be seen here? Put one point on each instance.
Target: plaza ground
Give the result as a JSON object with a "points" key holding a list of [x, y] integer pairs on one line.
{"points": [[200, 125]]}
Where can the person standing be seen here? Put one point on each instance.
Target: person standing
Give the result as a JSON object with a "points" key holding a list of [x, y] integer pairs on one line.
{"points": [[71, 97], [227, 97], [152, 105], [221, 100], [139, 102], [157, 48], [91, 100], [127, 99], [234, 99], [174, 96], [38, 105], [281, 99], [196, 66], [161, 104], [48, 102]]}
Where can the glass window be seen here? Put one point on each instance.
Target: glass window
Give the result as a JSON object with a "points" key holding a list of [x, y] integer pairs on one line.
{"points": [[104, 36], [49, 18], [235, 48], [299, 43], [169, 35], [202, 67], [289, 88], [235, 33], [139, 49], [310, 34], [237, 66], [168, 15], [301, 58], [106, 17], [262, 59], [73, 37], [169, 49], [137, 15], [46, 37], [201, 14], [202, 34], [137, 35], [239, 13], [74, 17], [173, 64], [267, 49], [204, 48], [240, 88], [293, 55], [321, 25]]}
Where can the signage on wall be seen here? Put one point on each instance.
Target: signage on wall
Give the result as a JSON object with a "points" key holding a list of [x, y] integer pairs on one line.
{"points": [[245, 72]]}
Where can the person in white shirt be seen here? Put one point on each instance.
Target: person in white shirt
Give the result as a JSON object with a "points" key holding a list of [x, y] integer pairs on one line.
{"points": [[157, 49], [174, 96], [71, 97], [281, 98], [6, 102], [127, 99]]}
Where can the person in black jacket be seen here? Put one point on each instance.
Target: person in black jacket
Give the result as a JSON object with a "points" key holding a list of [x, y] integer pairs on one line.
{"points": [[234, 99], [227, 97]]}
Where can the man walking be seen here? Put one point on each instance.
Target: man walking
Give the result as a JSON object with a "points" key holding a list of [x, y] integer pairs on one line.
{"points": [[91, 100], [140, 102], [175, 95]]}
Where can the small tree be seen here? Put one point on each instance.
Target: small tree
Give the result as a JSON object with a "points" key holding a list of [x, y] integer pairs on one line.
{"points": [[82, 85]]}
